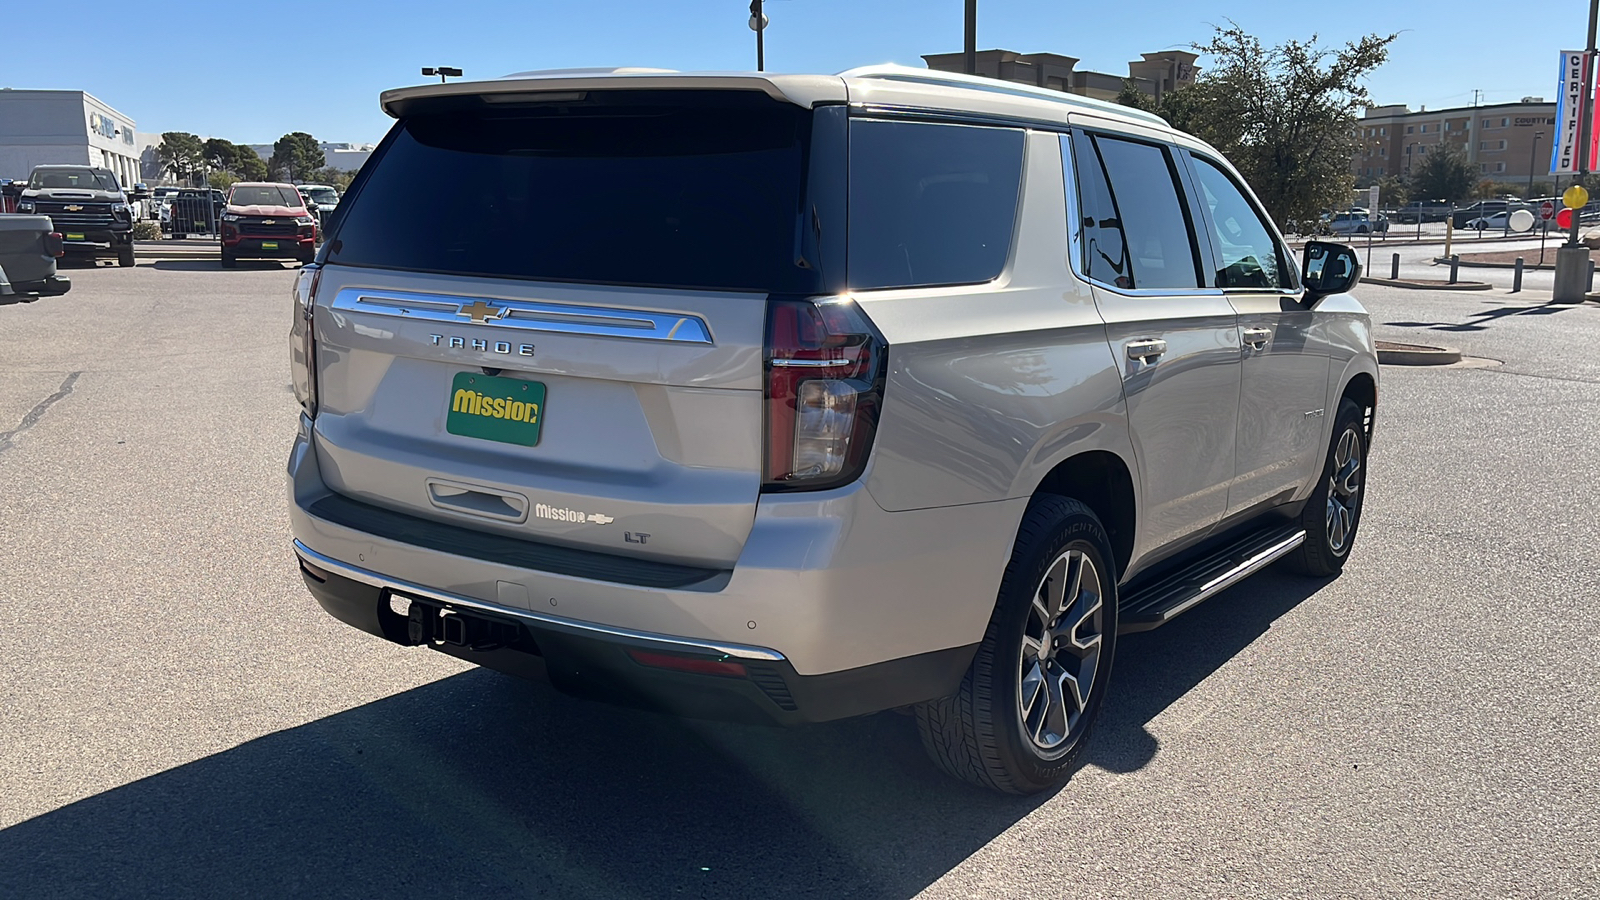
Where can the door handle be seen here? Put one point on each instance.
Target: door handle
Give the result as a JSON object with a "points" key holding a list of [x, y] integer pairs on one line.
{"points": [[1257, 337], [1146, 350]]}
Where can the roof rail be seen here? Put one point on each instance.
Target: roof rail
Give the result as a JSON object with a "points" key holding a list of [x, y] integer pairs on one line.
{"points": [[891, 72]]}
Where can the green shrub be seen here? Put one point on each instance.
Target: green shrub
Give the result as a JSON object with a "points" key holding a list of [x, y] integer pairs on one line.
{"points": [[147, 231]]}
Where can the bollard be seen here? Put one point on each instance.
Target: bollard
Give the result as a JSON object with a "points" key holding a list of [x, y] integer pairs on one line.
{"points": [[1516, 277], [1588, 286], [1455, 265], [1394, 267]]}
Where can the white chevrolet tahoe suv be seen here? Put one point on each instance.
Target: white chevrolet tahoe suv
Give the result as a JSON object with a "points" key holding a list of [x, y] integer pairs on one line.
{"points": [[794, 397]]}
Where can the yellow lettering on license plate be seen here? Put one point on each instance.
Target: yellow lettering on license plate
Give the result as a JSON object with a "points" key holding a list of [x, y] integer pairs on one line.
{"points": [[74, 237], [269, 245]]}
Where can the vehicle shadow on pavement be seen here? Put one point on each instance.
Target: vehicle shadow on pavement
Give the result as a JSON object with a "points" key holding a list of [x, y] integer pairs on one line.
{"points": [[1154, 669], [479, 785], [214, 264], [1480, 321], [482, 785]]}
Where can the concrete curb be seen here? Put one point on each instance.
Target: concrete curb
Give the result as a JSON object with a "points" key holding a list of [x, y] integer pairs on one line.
{"points": [[1474, 264], [1391, 353], [1428, 285]]}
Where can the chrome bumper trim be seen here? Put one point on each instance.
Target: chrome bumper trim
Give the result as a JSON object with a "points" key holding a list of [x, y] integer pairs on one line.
{"points": [[571, 626]]}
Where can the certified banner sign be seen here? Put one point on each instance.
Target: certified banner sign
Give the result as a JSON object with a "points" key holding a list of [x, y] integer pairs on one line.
{"points": [[1569, 107]]}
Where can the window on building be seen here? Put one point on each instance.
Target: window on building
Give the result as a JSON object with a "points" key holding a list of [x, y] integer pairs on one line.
{"points": [[1502, 144], [1380, 170], [1422, 150], [1486, 123], [1499, 167], [1410, 128], [1383, 132], [1483, 167], [1504, 122], [1447, 126], [1383, 151], [1424, 129]]}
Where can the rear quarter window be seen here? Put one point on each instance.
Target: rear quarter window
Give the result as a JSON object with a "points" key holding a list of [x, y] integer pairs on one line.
{"points": [[931, 203]]}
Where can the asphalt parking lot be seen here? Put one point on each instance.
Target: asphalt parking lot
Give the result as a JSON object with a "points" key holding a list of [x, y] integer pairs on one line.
{"points": [[181, 720]]}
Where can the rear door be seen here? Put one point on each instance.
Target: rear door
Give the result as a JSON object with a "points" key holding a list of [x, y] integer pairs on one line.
{"points": [[1177, 342], [547, 319]]}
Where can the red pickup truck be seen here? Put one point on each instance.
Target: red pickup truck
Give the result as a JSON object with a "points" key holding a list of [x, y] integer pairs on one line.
{"points": [[267, 220]]}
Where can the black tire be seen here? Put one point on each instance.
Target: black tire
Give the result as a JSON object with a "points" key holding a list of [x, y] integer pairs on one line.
{"points": [[179, 236], [978, 734], [229, 261], [1327, 545], [125, 257]]}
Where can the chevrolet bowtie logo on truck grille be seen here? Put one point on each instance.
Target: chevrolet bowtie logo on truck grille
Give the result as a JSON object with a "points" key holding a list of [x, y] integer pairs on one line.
{"points": [[73, 208], [269, 221], [481, 312]]}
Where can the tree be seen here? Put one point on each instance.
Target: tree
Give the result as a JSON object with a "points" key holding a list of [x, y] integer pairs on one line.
{"points": [[222, 180], [220, 154], [1444, 174], [339, 179], [296, 155], [181, 153], [1393, 191], [1284, 116]]}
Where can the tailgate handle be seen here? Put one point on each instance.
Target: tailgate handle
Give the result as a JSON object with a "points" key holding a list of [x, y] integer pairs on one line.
{"points": [[476, 500]]}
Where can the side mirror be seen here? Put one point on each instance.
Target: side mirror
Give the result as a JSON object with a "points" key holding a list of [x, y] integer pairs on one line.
{"points": [[1329, 269]]}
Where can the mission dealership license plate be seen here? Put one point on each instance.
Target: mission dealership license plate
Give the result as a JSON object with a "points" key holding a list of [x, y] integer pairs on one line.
{"points": [[508, 410]]}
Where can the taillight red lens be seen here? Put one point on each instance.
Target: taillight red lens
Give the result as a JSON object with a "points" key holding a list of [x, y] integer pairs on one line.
{"points": [[54, 245], [302, 338], [824, 384]]}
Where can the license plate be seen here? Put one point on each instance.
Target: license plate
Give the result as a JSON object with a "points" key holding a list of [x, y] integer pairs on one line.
{"points": [[74, 237], [269, 245], [508, 410]]}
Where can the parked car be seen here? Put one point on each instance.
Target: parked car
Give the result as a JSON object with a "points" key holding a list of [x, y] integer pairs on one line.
{"points": [[86, 206], [1425, 211], [1496, 222], [321, 199], [1478, 210], [160, 206], [1357, 223], [29, 248], [267, 220], [195, 211], [686, 449]]}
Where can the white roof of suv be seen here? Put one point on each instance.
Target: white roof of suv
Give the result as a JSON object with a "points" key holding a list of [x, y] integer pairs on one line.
{"points": [[884, 85]]}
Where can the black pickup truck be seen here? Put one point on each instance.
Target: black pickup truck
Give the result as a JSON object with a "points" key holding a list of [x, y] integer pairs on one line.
{"points": [[29, 248], [88, 207]]}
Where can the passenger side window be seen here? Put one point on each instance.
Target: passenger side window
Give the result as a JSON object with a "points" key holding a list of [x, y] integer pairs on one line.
{"points": [[931, 204], [1250, 257], [1140, 185]]}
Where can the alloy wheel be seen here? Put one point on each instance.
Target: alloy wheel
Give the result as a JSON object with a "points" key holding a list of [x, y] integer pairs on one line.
{"points": [[1344, 491], [1060, 656]]}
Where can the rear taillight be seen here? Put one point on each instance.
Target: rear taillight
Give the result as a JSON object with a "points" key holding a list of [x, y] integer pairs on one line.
{"points": [[824, 388], [302, 339], [54, 244]]}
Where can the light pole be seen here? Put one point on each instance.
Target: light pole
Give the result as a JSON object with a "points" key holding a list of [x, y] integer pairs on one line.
{"points": [[758, 24], [970, 39], [1533, 159]]}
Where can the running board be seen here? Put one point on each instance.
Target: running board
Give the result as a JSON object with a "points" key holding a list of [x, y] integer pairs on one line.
{"points": [[1156, 604]]}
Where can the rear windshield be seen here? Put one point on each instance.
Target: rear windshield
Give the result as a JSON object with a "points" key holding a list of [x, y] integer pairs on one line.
{"points": [[264, 195], [669, 189]]}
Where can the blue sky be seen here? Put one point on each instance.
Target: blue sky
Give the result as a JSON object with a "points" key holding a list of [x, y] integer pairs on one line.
{"points": [[334, 57]]}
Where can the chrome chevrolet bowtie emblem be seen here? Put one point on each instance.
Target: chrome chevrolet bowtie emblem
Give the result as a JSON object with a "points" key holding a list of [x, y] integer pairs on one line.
{"points": [[73, 208], [480, 312], [269, 221]]}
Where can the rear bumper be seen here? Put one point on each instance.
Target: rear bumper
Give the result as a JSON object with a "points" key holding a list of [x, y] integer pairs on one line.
{"points": [[594, 661], [54, 286], [828, 587]]}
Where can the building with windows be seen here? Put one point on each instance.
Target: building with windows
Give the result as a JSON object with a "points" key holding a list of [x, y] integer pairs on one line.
{"points": [[1153, 73], [64, 128], [1503, 141]]}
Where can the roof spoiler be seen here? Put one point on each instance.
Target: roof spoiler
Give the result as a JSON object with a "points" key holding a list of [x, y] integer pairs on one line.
{"points": [[801, 90]]}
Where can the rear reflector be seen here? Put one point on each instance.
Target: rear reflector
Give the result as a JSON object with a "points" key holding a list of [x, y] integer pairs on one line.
{"points": [[696, 665]]}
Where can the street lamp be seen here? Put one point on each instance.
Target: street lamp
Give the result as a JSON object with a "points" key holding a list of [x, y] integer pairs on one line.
{"points": [[441, 71], [1533, 159], [758, 24]]}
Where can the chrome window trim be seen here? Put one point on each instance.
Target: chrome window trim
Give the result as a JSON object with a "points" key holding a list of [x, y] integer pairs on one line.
{"points": [[528, 315], [859, 110], [570, 626]]}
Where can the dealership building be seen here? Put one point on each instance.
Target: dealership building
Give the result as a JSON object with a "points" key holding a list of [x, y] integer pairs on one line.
{"points": [[64, 128]]}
